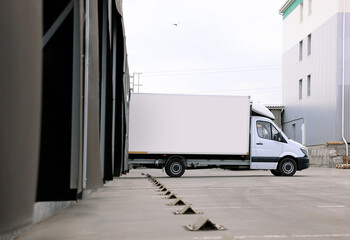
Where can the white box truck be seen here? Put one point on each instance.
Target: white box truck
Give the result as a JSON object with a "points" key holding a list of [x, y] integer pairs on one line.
{"points": [[179, 132]]}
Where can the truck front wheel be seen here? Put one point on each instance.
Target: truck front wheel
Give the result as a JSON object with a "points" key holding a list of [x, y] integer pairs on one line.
{"points": [[287, 167], [175, 167]]}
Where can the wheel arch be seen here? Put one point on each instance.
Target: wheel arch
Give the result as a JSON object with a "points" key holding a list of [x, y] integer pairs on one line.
{"points": [[289, 156], [175, 166], [176, 156]]}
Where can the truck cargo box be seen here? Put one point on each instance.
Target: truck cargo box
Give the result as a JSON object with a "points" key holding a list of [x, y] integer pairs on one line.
{"points": [[189, 124]]}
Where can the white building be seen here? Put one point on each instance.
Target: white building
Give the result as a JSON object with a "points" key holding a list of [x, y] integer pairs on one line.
{"points": [[316, 93]]}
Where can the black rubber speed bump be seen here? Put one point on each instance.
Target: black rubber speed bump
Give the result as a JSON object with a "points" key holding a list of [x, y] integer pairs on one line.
{"points": [[164, 189], [187, 210], [204, 224], [166, 193], [177, 202], [171, 196]]}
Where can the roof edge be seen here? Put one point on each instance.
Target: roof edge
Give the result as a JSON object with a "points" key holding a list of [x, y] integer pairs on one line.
{"points": [[285, 6]]}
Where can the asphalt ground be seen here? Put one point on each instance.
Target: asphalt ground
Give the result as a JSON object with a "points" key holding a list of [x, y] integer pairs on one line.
{"points": [[313, 204]]}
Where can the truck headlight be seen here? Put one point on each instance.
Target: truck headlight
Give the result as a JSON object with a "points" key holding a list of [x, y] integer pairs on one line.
{"points": [[304, 150]]}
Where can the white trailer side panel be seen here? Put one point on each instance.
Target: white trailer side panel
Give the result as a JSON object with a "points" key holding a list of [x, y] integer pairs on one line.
{"points": [[189, 124]]}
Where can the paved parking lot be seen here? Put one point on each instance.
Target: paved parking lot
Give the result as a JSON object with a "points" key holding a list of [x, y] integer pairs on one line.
{"points": [[314, 204]]}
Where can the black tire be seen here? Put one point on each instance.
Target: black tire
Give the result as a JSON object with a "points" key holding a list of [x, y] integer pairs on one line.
{"points": [[175, 167], [276, 173], [287, 167]]}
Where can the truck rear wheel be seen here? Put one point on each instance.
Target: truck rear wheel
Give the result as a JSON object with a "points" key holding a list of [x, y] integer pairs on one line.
{"points": [[287, 167], [175, 167]]}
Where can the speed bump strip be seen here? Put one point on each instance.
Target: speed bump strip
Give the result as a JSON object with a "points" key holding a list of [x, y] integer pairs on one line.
{"points": [[164, 189], [204, 224], [187, 210], [150, 177], [157, 184], [171, 196], [166, 193], [177, 202]]}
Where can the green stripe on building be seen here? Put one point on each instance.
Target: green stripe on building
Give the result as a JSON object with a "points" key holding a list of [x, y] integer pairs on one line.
{"points": [[291, 8]]}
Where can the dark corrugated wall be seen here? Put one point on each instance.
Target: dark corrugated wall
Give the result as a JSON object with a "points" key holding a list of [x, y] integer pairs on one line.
{"points": [[63, 121], [98, 116], [20, 95], [55, 147]]}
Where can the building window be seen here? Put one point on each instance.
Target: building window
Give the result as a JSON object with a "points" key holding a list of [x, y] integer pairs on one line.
{"points": [[301, 11], [310, 7], [301, 50], [300, 89], [309, 44], [309, 85]]}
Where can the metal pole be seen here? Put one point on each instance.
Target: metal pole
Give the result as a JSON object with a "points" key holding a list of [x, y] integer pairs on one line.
{"points": [[86, 89], [345, 160]]}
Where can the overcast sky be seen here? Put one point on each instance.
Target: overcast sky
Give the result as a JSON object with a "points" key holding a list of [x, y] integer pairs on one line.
{"points": [[226, 47]]}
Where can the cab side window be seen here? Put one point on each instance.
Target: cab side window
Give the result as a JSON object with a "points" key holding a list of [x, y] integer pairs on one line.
{"points": [[267, 131], [264, 129]]}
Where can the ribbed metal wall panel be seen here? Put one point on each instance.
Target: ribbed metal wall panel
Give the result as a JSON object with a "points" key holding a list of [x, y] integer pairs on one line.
{"points": [[320, 110], [347, 73]]}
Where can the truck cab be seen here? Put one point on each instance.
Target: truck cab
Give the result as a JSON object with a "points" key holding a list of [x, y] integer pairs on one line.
{"points": [[271, 148]]}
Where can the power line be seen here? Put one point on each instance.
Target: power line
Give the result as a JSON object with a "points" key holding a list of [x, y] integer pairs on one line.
{"points": [[211, 70], [243, 90], [205, 69]]}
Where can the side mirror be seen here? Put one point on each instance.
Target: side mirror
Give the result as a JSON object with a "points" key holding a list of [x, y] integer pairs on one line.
{"points": [[281, 138]]}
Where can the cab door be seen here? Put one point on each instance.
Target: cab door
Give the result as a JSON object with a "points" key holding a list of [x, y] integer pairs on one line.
{"points": [[266, 144]]}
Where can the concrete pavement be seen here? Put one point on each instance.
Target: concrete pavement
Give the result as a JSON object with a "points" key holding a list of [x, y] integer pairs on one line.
{"points": [[314, 204]]}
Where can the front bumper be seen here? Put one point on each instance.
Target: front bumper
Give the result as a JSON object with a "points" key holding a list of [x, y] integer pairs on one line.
{"points": [[303, 163]]}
